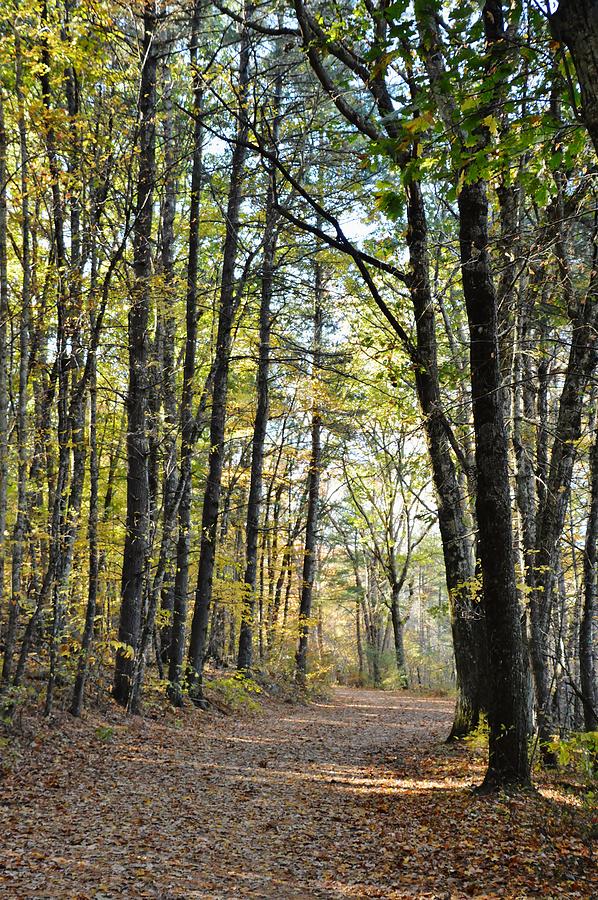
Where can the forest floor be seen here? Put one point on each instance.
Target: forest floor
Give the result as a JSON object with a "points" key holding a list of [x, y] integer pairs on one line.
{"points": [[351, 797]]}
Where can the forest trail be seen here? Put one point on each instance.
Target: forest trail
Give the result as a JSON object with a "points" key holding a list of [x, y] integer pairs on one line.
{"points": [[355, 796]]}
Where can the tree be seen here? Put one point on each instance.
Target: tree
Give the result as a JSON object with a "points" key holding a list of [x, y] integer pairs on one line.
{"points": [[134, 571], [211, 500], [313, 482], [254, 499], [576, 25]]}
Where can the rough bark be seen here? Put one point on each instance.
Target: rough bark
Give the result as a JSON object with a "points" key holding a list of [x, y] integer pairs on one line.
{"points": [[135, 549], [467, 621], [508, 762], [575, 23]]}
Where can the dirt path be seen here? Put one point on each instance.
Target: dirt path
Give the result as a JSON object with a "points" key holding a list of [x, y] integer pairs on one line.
{"points": [[354, 797]]}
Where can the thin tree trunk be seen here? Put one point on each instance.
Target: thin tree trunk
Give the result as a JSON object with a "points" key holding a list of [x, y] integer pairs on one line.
{"points": [[397, 628], [168, 369], [551, 515], [3, 350], [181, 579], [358, 638], [211, 502], [313, 494], [20, 528], [94, 559], [136, 537], [587, 671], [245, 656], [54, 580]]}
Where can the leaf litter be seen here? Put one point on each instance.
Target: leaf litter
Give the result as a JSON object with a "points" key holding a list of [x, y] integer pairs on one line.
{"points": [[355, 796]]}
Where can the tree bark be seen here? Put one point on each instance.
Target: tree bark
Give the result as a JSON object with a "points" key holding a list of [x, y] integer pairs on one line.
{"points": [[211, 502], [135, 549], [587, 672], [313, 494], [397, 629], [183, 546], [575, 23], [467, 622], [3, 349], [245, 656], [94, 559], [508, 762]]}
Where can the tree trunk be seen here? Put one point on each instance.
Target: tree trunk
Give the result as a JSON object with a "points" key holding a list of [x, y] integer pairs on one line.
{"points": [[575, 23], [135, 549], [183, 546], [551, 519], [508, 763], [62, 519], [20, 527], [92, 533], [244, 660], [397, 629], [168, 368], [467, 622], [587, 671], [3, 350], [313, 494], [211, 502], [359, 641]]}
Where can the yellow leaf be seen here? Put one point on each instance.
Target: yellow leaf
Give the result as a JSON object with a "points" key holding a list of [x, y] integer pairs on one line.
{"points": [[491, 124], [419, 123]]}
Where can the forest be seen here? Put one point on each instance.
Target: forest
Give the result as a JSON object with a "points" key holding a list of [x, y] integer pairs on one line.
{"points": [[298, 448]]}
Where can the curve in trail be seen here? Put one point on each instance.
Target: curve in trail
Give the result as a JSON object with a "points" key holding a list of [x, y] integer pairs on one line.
{"points": [[352, 797]]}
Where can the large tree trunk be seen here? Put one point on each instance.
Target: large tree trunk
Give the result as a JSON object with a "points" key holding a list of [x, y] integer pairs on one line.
{"points": [[135, 549], [508, 762], [575, 23], [467, 621], [211, 502]]}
